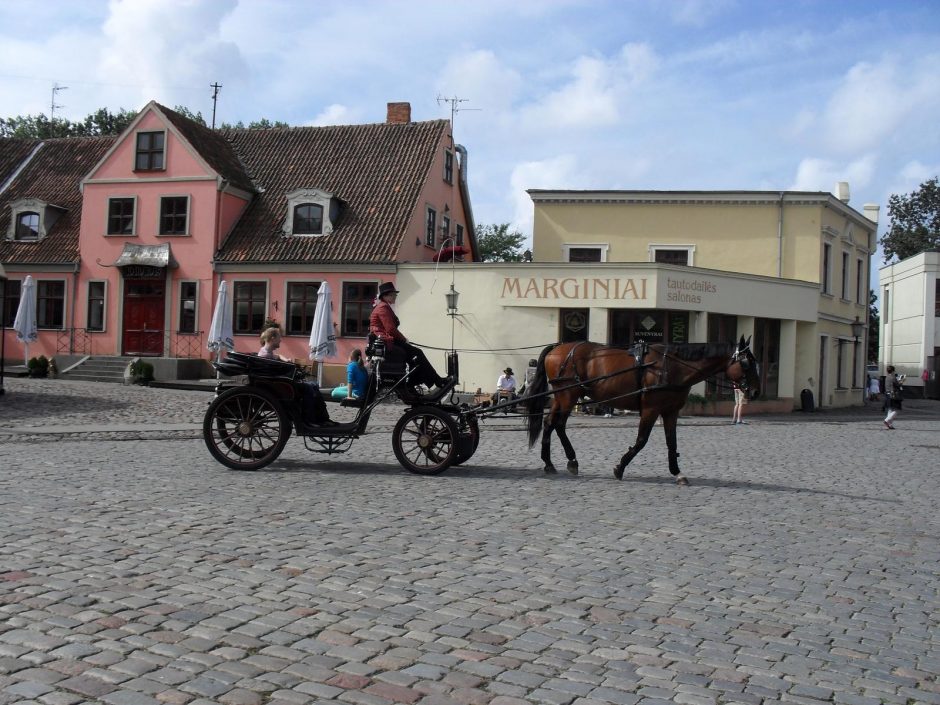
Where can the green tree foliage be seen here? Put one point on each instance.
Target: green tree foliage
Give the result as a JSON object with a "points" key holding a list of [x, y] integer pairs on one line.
{"points": [[497, 244], [915, 222], [874, 322], [100, 122]]}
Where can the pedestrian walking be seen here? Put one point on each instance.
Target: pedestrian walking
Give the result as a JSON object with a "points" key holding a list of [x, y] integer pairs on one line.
{"points": [[892, 396], [740, 399]]}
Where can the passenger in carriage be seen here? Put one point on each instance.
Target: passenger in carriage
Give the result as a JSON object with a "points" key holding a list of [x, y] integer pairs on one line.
{"points": [[312, 405], [384, 323]]}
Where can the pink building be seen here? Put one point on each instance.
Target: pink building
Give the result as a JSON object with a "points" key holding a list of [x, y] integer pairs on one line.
{"points": [[128, 238]]}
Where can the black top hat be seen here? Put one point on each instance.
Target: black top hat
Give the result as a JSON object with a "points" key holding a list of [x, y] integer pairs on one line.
{"points": [[508, 371], [387, 288]]}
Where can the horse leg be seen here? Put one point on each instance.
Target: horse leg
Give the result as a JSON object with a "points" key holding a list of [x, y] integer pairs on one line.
{"points": [[647, 420], [548, 425], [669, 428], [560, 429]]}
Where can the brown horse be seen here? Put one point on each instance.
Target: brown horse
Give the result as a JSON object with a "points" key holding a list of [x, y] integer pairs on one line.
{"points": [[653, 380]]}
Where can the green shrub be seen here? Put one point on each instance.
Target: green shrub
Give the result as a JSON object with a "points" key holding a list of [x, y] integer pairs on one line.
{"points": [[694, 398], [38, 366], [141, 372]]}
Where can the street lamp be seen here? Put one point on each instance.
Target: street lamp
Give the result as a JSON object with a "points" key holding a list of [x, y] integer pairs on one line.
{"points": [[451, 297], [857, 328]]}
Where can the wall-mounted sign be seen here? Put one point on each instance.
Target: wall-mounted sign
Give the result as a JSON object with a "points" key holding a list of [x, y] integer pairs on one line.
{"points": [[142, 271], [574, 288], [689, 291]]}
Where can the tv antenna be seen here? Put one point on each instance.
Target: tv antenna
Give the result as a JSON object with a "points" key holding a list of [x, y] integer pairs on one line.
{"points": [[216, 87], [455, 108], [52, 104]]}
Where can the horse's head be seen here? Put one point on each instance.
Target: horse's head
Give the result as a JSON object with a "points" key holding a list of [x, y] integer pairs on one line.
{"points": [[743, 369]]}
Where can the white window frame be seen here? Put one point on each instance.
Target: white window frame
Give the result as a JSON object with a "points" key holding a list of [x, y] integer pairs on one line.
{"points": [[179, 301], [189, 214], [567, 247], [313, 196], [826, 269], [65, 303], [107, 217], [104, 306], [656, 246]]}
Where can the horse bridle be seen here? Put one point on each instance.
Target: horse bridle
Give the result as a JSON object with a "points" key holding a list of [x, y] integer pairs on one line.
{"points": [[745, 358]]}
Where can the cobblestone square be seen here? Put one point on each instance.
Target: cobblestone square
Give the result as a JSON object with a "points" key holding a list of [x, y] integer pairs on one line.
{"points": [[800, 566]]}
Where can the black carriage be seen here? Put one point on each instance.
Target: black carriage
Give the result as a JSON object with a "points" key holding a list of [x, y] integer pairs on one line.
{"points": [[249, 421]]}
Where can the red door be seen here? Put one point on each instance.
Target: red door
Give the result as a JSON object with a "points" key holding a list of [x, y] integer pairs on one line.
{"points": [[143, 317]]}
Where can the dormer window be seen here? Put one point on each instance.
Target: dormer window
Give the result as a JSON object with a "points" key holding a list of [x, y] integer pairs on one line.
{"points": [[27, 226], [311, 212], [32, 219], [308, 219]]}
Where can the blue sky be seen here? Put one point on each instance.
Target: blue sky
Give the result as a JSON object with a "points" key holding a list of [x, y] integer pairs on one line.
{"points": [[645, 94]]}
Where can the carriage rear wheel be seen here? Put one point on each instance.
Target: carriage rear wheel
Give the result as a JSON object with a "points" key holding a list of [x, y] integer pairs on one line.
{"points": [[246, 428], [471, 431], [425, 440]]}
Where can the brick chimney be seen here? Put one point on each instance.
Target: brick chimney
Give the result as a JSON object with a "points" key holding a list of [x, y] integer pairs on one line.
{"points": [[399, 113]]}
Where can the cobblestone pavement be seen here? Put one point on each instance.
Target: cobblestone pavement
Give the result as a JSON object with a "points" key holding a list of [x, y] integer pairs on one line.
{"points": [[801, 565]]}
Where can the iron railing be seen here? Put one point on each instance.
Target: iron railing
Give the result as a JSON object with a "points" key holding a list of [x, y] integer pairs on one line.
{"points": [[80, 341]]}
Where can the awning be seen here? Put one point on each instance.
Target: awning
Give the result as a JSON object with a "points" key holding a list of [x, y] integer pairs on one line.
{"points": [[147, 255]]}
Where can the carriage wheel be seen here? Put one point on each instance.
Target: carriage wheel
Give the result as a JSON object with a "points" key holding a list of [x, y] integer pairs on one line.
{"points": [[473, 430], [424, 440], [246, 428]]}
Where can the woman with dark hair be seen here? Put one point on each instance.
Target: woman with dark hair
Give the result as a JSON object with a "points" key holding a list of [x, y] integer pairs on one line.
{"points": [[384, 324]]}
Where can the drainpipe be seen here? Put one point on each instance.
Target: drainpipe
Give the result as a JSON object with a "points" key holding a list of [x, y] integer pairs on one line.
{"points": [[780, 236], [72, 316]]}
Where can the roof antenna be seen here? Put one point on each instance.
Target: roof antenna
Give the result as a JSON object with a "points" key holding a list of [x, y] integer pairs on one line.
{"points": [[53, 105], [216, 87], [454, 107]]}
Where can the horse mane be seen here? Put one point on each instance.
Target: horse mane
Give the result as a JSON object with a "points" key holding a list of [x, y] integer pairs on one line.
{"points": [[696, 351]]}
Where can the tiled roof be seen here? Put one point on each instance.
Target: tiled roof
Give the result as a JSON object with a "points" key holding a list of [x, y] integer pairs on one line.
{"points": [[12, 154], [376, 170], [212, 146], [53, 176]]}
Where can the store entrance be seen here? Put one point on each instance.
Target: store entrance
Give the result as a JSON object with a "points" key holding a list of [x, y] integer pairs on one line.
{"points": [[629, 326]]}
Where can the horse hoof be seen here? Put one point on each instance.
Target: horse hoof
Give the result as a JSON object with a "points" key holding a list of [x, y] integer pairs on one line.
{"points": [[573, 467], [550, 470], [681, 480], [618, 473]]}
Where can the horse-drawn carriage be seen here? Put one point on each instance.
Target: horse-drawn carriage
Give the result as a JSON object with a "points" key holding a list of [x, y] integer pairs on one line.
{"points": [[247, 425]]}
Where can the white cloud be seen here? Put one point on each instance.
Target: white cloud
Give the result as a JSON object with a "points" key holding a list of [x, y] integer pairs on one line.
{"points": [[480, 79], [815, 174], [335, 114], [555, 173]]}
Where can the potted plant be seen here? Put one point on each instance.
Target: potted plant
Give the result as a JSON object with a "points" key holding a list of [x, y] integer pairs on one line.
{"points": [[695, 403], [141, 372], [38, 366]]}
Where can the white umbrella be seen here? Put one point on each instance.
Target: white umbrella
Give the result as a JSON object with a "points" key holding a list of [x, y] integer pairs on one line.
{"points": [[25, 322], [322, 338], [221, 336]]}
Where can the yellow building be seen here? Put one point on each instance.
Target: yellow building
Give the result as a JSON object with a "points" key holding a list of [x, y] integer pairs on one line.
{"points": [[790, 269]]}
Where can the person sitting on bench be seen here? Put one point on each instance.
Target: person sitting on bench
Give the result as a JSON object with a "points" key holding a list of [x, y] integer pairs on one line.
{"points": [[312, 405]]}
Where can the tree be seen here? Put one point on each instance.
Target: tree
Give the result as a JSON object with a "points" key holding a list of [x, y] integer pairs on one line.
{"points": [[874, 322], [915, 222], [497, 244]]}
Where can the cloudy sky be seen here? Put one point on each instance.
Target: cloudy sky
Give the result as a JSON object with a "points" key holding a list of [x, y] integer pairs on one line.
{"points": [[625, 94]]}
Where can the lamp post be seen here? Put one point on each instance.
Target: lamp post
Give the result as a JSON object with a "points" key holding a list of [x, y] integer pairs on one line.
{"points": [[452, 297], [858, 329]]}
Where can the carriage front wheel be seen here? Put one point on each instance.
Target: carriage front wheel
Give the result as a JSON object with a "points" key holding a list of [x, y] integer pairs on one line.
{"points": [[425, 440], [246, 428]]}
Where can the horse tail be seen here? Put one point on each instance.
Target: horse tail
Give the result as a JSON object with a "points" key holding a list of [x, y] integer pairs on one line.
{"points": [[536, 398]]}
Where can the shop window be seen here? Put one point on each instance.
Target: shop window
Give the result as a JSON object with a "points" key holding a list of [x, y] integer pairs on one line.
{"points": [[50, 304], [765, 344], [358, 298], [250, 304], [628, 326], [94, 320], [301, 306], [721, 329], [187, 317]]}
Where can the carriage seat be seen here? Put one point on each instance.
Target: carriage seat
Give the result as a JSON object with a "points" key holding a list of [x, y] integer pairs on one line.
{"points": [[236, 363]]}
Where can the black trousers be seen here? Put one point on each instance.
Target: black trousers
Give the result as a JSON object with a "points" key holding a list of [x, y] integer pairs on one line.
{"points": [[424, 372]]}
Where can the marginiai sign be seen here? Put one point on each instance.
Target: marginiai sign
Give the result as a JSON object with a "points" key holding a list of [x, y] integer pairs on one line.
{"points": [[581, 288]]}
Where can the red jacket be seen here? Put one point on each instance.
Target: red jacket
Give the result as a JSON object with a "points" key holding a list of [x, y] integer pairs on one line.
{"points": [[384, 323]]}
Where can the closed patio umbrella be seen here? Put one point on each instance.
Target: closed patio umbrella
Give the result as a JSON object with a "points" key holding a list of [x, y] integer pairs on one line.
{"points": [[25, 322], [322, 338], [221, 336]]}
